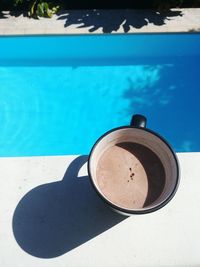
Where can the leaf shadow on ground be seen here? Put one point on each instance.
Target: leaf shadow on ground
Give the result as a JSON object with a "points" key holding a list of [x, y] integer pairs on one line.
{"points": [[12, 13], [111, 21], [2, 15], [55, 218]]}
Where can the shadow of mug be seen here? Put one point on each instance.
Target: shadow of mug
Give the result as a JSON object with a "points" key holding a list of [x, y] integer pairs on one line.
{"points": [[55, 218]]}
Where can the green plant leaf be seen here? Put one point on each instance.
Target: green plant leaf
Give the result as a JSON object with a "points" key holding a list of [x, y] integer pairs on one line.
{"points": [[32, 8], [40, 10]]}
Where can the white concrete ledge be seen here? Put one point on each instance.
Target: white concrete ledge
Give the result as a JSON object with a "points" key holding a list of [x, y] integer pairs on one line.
{"points": [[104, 21], [50, 216]]}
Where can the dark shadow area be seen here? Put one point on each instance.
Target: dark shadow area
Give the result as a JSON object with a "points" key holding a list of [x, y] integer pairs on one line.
{"points": [[55, 218], [102, 4], [195, 30], [13, 13], [153, 167], [2, 16], [111, 21]]}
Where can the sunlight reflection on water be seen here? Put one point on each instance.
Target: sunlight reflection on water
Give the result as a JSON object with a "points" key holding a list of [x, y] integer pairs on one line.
{"points": [[63, 110]]}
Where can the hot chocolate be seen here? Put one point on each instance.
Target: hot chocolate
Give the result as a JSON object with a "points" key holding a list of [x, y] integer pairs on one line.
{"points": [[130, 175]]}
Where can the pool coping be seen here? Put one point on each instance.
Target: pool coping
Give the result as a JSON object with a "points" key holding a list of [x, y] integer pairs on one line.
{"points": [[110, 21]]}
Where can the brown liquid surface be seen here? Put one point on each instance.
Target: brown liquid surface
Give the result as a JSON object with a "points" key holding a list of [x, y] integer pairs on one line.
{"points": [[130, 175]]}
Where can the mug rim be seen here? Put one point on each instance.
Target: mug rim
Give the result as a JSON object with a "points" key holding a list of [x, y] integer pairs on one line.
{"points": [[130, 211]]}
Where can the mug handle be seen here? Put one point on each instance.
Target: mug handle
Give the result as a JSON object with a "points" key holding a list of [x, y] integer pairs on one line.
{"points": [[138, 121]]}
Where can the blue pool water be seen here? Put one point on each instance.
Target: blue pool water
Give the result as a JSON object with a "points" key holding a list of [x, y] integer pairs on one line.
{"points": [[59, 94]]}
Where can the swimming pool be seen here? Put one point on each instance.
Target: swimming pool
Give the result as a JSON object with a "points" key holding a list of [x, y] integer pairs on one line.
{"points": [[58, 94]]}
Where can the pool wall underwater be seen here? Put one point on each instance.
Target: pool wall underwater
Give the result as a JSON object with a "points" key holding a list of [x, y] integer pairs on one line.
{"points": [[58, 94]]}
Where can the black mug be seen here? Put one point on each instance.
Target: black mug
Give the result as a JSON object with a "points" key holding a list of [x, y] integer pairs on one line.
{"points": [[133, 169]]}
